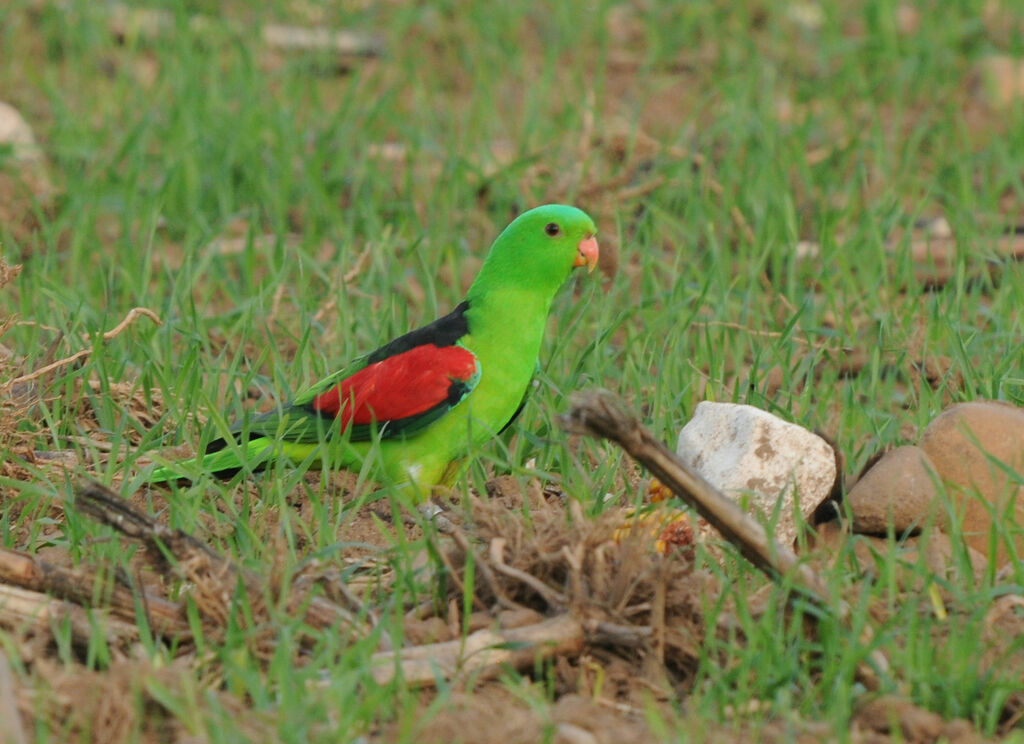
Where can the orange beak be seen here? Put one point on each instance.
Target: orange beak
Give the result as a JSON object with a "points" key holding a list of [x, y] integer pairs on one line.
{"points": [[587, 253]]}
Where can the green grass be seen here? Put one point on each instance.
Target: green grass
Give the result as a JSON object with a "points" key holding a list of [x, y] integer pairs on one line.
{"points": [[164, 148]]}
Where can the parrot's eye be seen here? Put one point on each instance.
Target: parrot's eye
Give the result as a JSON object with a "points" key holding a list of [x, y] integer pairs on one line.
{"points": [[552, 229]]}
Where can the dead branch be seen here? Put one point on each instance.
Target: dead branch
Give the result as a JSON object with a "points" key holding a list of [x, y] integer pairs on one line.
{"points": [[79, 586], [602, 633], [99, 502], [21, 607], [482, 654], [601, 414]]}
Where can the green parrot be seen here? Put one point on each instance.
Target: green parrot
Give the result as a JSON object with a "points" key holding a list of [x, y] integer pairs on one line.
{"points": [[430, 396]]}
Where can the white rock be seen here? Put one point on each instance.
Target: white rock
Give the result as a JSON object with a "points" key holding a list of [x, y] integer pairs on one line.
{"points": [[16, 132], [807, 250], [764, 463]]}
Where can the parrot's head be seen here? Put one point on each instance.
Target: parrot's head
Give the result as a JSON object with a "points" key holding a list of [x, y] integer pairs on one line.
{"points": [[541, 247]]}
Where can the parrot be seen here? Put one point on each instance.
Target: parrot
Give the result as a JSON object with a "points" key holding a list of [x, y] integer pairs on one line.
{"points": [[429, 397]]}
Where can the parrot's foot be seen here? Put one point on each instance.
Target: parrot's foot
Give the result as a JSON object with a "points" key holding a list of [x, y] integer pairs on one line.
{"points": [[435, 514], [431, 511]]}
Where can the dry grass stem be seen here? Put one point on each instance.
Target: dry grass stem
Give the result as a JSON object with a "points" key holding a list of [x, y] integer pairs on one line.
{"points": [[130, 318], [80, 586]]}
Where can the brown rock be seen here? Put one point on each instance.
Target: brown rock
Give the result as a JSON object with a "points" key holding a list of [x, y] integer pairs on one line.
{"points": [[972, 445], [904, 721], [900, 490], [892, 714], [933, 550], [959, 731]]}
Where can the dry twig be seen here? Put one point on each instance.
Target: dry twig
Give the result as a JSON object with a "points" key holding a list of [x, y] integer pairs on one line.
{"points": [[130, 318], [482, 654], [361, 262], [79, 586], [549, 595], [460, 539], [20, 607]]}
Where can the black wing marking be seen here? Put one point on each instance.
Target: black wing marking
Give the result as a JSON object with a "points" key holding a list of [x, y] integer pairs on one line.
{"points": [[444, 331]]}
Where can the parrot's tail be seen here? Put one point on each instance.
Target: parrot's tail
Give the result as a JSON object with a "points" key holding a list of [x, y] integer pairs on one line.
{"points": [[219, 460]]}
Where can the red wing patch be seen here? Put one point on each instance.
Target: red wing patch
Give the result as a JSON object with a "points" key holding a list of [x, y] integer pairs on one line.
{"points": [[399, 387]]}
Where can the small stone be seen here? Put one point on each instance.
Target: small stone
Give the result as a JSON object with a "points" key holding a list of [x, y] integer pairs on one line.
{"points": [[16, 133], [938, 227], [908, 19], [807, 250], [1003, 79], [752, 456], [809, 16], [976, 448], [25, 184], [899, 491]]}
